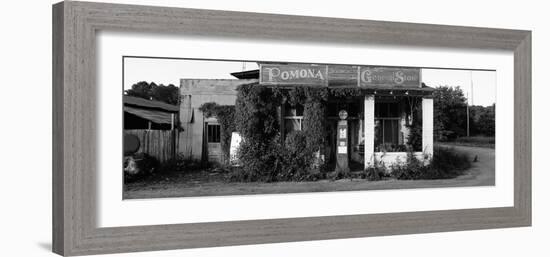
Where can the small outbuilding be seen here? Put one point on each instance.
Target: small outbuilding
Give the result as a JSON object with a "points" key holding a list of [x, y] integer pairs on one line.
{"points": [[200, 138]]}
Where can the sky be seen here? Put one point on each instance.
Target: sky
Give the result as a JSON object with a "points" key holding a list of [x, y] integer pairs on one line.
{"points": [[170, 71]]}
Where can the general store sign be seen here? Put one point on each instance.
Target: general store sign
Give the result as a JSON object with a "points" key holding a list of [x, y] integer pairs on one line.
{"points": [[336, 76], [389, 76]]}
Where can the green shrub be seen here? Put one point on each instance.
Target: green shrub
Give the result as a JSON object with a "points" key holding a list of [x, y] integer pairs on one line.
{"points": [[377, 171], [445, 163], [448, 163], [272, 162], [411, 169], [261, 153], [256, 113], [314, 124], [262, 161], [297, 158]]}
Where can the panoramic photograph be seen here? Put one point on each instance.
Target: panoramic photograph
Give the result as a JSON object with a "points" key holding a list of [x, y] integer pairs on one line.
{"points": [[197, 127]]}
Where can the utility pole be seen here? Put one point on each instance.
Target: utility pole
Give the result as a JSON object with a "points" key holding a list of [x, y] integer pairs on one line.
{"points": [[472, 87], [467, 116], [468, 104]]}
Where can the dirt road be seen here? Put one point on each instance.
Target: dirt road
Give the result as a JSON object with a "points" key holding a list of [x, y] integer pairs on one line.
{"points": [[482, 173]]}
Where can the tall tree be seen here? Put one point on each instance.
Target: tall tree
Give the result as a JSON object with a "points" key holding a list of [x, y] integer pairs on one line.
{"points": [[449, 113], [485, 124], [168, 94], [141, 89]]}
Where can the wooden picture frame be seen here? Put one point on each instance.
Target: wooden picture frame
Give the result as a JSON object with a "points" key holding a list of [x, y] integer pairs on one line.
{"points": [[74, 130]]}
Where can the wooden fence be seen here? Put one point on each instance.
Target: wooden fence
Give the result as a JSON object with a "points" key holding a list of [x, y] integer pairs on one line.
{"points": [[161, 144]]}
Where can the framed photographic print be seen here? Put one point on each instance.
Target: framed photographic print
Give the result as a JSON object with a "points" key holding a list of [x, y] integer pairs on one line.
{"points": [[183, 128]]}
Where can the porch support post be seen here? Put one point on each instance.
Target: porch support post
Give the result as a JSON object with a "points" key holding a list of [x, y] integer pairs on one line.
{"points": [[369, 130], [428, 126]]}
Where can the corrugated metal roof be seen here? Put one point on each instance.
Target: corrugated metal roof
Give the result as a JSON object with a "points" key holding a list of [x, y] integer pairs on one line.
{"points": [[158, 117], [137, 101]]}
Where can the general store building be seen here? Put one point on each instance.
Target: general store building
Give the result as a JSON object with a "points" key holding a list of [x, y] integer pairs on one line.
{"points": [[394, 104]]}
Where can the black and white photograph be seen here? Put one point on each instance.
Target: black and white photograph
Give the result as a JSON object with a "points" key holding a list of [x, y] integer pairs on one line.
{"points": [[198, 127]]}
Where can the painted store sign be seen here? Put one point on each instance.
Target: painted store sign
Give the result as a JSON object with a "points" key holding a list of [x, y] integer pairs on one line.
{"points": [[339, 76], [373, 76], [293, 74]]}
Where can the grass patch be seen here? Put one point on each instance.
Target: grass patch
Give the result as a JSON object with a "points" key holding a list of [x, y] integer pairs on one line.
{"points": [[145, 168], [477, 141]]}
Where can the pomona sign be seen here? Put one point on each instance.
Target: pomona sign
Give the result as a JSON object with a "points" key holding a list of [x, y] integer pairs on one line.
{"points": [[293, 74]]}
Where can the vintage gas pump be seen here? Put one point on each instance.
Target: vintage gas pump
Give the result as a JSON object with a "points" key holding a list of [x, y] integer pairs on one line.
{"points": [[342, 157]]}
